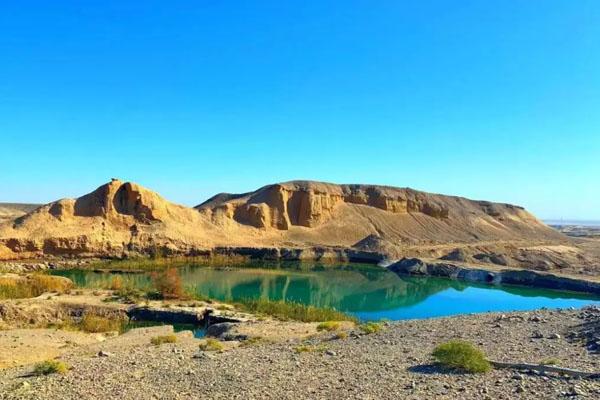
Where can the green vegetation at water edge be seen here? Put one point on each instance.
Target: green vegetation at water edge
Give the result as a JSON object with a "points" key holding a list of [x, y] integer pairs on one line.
{"points": [[293, 311], [329, 326], [32, 286], [158, 263]]}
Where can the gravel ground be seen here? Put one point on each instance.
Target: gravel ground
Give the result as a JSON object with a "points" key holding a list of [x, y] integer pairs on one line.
{"points": [[392, 364]]}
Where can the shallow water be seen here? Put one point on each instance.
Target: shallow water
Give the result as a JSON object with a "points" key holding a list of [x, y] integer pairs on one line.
{"points": [[369, 292]]}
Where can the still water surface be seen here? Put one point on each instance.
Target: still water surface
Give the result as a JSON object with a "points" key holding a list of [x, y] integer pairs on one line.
{"points": [[369, 292]]}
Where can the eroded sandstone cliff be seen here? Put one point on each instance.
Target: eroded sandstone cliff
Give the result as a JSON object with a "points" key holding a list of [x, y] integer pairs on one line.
{"points": [[299, 219], [311, 204]]}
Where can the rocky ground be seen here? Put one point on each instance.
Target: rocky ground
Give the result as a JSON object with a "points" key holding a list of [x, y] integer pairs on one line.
{"points": [[391, 364]]}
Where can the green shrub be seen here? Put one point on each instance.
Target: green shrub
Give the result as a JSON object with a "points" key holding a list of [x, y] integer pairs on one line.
{"points": [[50, 367], [461, 355], [158, 340], [293, 311], [211, 345], [329, 326], [370, 327]]}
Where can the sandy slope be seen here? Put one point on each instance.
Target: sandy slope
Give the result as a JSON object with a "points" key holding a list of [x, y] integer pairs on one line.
{"points": [[10, 211], [124, 218]]}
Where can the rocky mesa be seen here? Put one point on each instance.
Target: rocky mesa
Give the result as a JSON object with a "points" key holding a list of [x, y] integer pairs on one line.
{"points": [[122, 218]]}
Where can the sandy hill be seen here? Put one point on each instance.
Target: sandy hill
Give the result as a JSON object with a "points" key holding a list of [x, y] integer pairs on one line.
{"points": [[10, 211], [114, 219], [124, 218]]}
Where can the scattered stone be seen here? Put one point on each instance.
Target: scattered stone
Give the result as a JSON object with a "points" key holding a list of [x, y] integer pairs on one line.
{"points": [[554, 336]]}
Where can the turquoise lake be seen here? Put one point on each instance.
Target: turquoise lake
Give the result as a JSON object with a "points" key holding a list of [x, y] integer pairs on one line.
{"points": [[369, 292]]}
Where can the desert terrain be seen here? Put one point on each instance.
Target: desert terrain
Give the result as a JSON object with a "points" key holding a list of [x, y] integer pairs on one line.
{"points": [[252, 354]]}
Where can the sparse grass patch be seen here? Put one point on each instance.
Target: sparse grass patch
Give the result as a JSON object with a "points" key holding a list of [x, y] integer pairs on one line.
{"points": [[50, 367], [293, 311], [32, 286], [550, 361], [158, 262], [158, 340], [211, 345], [97, 324], [370, 327], [254, 340], [341, 335], [329, 326], [462, 356]]}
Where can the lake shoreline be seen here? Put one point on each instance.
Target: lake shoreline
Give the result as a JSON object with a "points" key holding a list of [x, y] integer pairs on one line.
{"points": [[392, 363]]}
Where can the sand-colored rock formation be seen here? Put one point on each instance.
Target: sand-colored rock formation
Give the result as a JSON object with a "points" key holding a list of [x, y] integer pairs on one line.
{"points": [[113, 220], [300, 219], [397, 214]]}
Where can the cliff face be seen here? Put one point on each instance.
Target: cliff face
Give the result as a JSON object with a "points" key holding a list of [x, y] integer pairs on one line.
{"points": [[113, 220], [124, 218], [312, 204]]}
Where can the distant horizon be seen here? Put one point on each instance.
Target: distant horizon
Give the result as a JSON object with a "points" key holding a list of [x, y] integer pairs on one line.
{"points": [[492, 101]]}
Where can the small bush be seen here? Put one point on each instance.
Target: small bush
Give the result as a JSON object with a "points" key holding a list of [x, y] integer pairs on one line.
{"points": [[329, 326], [168, 284], [341, 335], [116, 283], [550, 361], [50, 367], [211, 345], [370, 327], [98, 324], [158, 340], [461, 355], [293, 311]]}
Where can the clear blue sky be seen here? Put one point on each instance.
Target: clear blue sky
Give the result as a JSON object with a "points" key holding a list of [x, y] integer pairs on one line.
{"points": [[489, 100]]}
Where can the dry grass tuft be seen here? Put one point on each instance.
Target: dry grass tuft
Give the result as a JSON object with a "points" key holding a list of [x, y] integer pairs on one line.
{"points": [[158, 340], [50, 367], [211, 345], [329, 326], [32, 286]]}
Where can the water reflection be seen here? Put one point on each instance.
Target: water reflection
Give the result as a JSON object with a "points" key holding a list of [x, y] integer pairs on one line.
{"points": [[369, 292]]}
